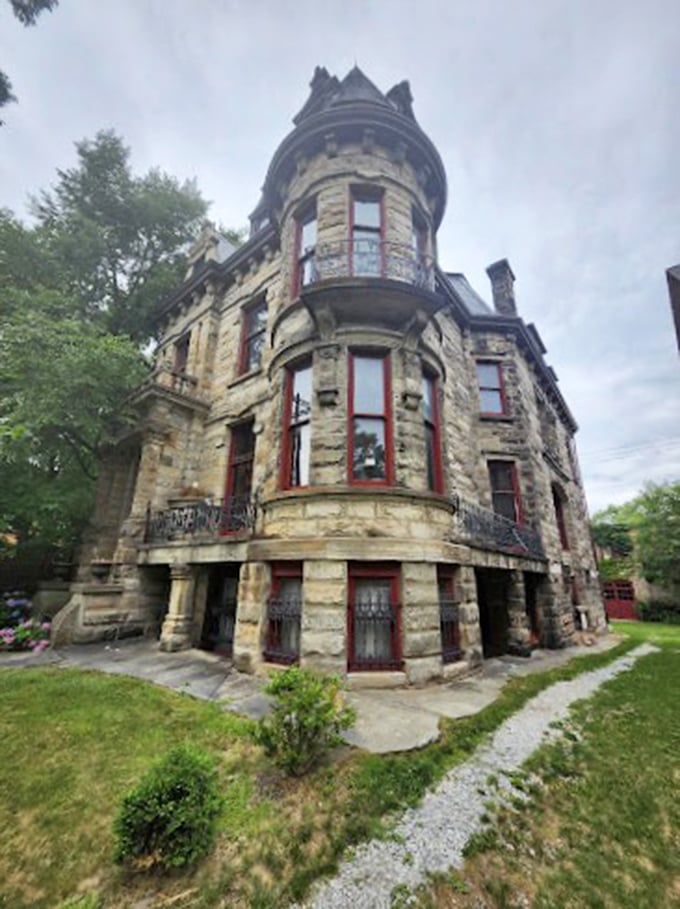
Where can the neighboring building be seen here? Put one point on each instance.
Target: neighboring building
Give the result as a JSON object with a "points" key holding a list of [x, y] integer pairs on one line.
{"points": [[673, 278], [344, 456]]}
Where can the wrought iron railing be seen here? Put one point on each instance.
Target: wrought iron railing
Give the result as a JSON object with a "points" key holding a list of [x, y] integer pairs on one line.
{"points": [[488, 530], [232, 515], [375, 635], [370, 259], [283, 630], [449, 622]]}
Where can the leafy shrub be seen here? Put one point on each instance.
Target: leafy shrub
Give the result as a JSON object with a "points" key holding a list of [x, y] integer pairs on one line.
{"points": [[18, 631], [306, 721], [660, 611], [169, 819]]}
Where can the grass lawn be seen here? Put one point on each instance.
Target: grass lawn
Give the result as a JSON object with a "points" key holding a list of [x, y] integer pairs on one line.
{"points": [[72, 742], [601, 825]]}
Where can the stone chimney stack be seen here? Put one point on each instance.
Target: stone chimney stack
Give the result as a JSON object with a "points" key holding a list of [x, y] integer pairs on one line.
{"points": [[503, 287]]}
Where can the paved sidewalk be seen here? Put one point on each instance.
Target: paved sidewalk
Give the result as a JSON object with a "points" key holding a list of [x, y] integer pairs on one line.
{"points": [[387, 719]]}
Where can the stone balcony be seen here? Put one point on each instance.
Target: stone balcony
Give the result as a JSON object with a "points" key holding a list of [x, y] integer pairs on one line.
{"points": [[369, 259]]}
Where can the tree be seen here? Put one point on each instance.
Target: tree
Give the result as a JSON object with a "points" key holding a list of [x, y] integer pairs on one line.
{"points": [[78, 295], [650, 524], [120, 239], [27, 12]]}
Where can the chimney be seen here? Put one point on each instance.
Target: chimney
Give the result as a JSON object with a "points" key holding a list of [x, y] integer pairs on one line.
{"points": [[502, 287]]}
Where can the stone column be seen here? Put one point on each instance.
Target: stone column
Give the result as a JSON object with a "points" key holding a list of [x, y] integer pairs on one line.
{"points": [[519, 633], [176, 630], [323, 639], [251, 615], [470, 629], [420, 629]]}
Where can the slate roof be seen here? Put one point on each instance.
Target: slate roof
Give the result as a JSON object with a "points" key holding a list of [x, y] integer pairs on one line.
{"points": [[467, 295], [329, 92]]}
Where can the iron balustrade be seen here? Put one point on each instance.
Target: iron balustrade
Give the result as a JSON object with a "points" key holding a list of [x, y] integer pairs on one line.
{"points": [[283, 630], [375, 632], [449, 623], [488, 530], [232, 515], [370, 259]]}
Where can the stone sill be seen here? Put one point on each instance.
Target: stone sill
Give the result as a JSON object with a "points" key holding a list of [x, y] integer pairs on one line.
{"points": [[245, 377], [377, 679], [329, 492]]}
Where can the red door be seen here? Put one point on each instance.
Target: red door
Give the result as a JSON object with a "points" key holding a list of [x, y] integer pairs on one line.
{"points": [[619, 599]]}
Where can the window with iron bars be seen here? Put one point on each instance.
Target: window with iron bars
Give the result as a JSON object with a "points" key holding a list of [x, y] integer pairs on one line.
{"points": [[284, 610]]}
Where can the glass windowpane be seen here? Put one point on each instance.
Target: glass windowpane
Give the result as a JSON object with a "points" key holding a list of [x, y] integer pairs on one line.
{"points": [[369, 449], [254, 348], [302, 394], [428, 399], [490, 401], [369, 395], [366, 213], [257, 319], [488, 375], [308, 235], [300, 452]]}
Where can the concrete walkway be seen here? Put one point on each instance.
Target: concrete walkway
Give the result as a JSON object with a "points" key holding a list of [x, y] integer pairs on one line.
{"points": [[387, 719]]}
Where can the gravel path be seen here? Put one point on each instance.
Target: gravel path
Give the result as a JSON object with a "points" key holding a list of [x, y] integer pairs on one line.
{"points": [[431, 837]]}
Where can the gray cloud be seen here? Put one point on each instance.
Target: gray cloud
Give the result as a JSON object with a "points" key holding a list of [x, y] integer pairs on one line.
{"points": [[556, 122]]}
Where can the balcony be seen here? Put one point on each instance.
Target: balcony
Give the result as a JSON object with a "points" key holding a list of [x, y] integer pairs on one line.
{"points": [[368, 259], [484, 528], [201, 517]]}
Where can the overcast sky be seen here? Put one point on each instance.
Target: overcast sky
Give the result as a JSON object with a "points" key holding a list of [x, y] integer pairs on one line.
{"points": [[557, 121]]}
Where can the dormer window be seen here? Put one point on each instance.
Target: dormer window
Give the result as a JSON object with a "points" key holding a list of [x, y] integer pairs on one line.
{"points": [[366, 229], [305, 249]]}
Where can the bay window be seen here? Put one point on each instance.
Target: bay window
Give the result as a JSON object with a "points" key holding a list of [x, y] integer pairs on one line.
{"points": [[370, 433], [297, 426], [305, 249]]}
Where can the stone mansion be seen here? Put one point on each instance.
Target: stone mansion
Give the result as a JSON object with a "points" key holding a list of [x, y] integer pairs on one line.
{"points": [[344, 456]]}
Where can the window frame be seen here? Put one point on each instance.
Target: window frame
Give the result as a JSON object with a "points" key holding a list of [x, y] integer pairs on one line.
{"points": [[288, 426], [379, 571], [306, 215], [234, 461], [446, 579], [435, 424], [367, 193], [282, 571], [559, 503], [499, 389], [385, 416], [248, 335], [516, 492]]}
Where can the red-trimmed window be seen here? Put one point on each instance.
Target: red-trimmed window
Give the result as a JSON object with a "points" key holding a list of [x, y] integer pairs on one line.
{"points": [[181, 358], [449, 619], [241, 454], [560, 518], [297, 414], [505, 490], [374, 617], [305, 249], [253, 334], [370, 431], [366, 230], [284, 609], [433, 449], [492, 402]]}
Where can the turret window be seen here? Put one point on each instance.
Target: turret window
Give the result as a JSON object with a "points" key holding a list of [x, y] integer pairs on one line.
{"points": [[305, 269], [370, 438], [366, 232], [297, 426]]}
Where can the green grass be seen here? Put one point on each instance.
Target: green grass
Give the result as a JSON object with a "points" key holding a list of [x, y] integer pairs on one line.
{"points": [[654, 632], [72, 742], [602, 829]]}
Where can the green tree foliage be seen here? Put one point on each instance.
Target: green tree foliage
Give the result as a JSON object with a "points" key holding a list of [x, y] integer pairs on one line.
{"points": [[119, 239], [651, 522], [27, 12], [78, 292]]}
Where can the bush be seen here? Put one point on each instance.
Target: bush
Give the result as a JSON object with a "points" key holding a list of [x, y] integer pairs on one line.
{"points": [[667, 611], [169, 819], [18, 631], [306, 720]]}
